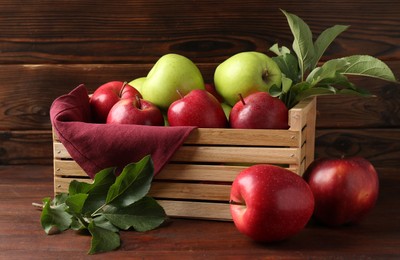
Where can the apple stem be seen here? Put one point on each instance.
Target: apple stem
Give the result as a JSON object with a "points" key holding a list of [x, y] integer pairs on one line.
{"points": [[179, 93], [265, 75], [139, 102], [122, 89], [242, 99]]}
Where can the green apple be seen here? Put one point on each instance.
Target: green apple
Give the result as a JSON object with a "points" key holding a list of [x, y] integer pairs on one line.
{"points": [[227, 109], [137, 83], [171, 77], [245, 73]]}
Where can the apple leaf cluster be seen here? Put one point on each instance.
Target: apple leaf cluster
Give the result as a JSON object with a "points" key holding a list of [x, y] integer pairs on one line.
{"points": [[301, 75], [106, 206]]}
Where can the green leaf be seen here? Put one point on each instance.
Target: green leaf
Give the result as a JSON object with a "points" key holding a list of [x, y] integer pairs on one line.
{"points": [[103, 240], [328, 70], [279, 51], [324, 40], [143, 215], [303, 43], [103, 222], [275, 91], [316, 91], [97, 192], [365, 65], [102, 180], [286, 84], [75, 203], [132, 184], [54, 216], [288, 65]]}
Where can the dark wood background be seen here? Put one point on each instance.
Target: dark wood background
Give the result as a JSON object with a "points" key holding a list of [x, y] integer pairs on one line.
{"points": [[49, 47]]}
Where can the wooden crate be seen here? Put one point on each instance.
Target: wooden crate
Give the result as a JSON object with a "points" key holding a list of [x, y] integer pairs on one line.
{"points": [[196, 182]]}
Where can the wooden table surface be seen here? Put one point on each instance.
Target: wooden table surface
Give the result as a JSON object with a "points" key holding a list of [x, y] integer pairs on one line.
{"points": [[22, 237]]}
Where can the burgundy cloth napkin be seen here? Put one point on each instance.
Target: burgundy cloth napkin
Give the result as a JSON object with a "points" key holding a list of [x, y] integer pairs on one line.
{"points": [[98, 146]]}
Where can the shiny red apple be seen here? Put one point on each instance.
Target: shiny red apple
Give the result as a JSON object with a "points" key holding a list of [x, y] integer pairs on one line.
{"points": [[105, 97], [198, 108], [135, 111], [259, 111], [345, 189], [270, 203]]}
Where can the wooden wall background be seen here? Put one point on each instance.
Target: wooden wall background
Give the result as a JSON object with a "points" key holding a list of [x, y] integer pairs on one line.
{"points": [[48, 47]]}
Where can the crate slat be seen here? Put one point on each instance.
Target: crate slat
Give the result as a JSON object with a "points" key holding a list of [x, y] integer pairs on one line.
{"points": [[191, 191], [243, 137], [197, 210], [249, 155]]}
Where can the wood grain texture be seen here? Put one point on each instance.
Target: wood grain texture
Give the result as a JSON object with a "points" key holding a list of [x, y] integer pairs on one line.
{"points": [[141, 31], [22, 237], [27, 91], [47, 51]]}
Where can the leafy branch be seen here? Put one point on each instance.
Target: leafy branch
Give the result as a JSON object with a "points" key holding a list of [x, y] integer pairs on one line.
{"points": [[301, 78], [106, 206]]}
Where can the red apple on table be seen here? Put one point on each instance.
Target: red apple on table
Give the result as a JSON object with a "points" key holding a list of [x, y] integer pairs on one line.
{"points": [[270, 203], [259, 111], [345, 189], [198, 108], [105, 96], [135, 111]]}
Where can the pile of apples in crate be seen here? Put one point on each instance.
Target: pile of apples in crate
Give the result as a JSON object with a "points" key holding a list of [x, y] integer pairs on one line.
{"points": [[253, 90], [174, 94]]}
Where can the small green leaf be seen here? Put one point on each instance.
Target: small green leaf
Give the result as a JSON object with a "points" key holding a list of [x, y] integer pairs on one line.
{"points": [[288, 65], [54, 217], [103, 222], [103, 240], [316, 91], [75, 203], [324, 40], [132, 184], [303, 43], [102, 180], [286, 84], [279, 51], [97, 192], [328, 70], [365, 65], [275, 91], [143, 215]]}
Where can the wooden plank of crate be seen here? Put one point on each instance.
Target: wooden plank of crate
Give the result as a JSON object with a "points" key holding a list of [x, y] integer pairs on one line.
{"points": [[298, 114], [68, 168], [62, 184], [195, 191], [249, 155], [196, 172], [310, 132], [220, 154], [171, 171], [192, 191], [244, 137], [241, 137], [197, 210]]}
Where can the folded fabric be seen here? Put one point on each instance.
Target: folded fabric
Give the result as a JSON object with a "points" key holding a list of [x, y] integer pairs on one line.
{"points": [[98, 146]]}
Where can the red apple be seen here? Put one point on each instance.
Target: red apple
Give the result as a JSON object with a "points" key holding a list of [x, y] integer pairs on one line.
{"points": [[198, 108], [345, 189], [105, 96], [135, 111], [270, 203], [259, 111]]}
